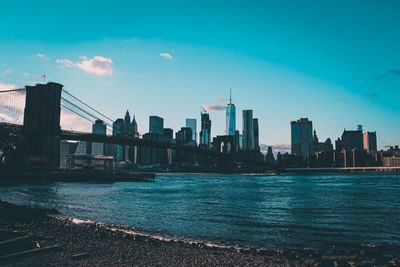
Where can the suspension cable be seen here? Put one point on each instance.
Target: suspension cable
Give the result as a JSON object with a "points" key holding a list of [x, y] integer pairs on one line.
{"points": [[81, 109], [87, 105]]}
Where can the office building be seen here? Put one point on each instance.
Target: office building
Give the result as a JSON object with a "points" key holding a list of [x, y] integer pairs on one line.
{"points": [[352, 140], [392, 161], [248, 130], [127, 129], [134, 127], [168, 133], [184, 135], [98, 128], [370, 142], [118, 149], [156, 125], [317, 146], [205, 133], [153, 155], [301, 135], [256, 134], [192, 123], [230, 117]]}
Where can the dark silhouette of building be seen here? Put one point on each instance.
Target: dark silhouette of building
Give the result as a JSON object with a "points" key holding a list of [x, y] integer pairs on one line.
{"points": [[269, 157], [256, 134], [248, 130], [338, 145], [117, 151], [287, 160], [338, 159], [192, 123], [317, 146], [352, 140], [184, 135], [42, 118], [171, 154], [355, 158], [153, 155], [205, 133], [168, 133], [98, 128], [237, 140], [156, 125], [301, 131]]}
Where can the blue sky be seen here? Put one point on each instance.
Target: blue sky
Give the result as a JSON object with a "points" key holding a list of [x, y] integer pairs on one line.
{"points": [[335, 62]]}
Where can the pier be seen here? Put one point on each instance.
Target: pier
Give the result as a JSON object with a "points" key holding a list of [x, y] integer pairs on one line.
{"points": [[342, 170]]}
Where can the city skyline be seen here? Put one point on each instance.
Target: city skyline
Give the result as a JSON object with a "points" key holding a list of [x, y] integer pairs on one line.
{"points": [[335, 73]]}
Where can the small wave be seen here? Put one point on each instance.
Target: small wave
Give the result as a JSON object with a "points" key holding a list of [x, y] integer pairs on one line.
{"points": [[79, 221], [134, 232]]}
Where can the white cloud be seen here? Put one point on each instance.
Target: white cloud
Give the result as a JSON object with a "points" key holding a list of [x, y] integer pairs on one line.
{"points": [[66, 62], [26, 74], [6, 72], [97, 65], [42, 56], [6, 86], [214, 107], [166, 55]]}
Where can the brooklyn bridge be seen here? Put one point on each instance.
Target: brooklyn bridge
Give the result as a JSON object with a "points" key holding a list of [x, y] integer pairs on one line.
{"points": [[34, 113]]}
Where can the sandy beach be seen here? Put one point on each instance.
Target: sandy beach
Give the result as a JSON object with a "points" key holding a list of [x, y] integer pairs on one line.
{"points": [[61, 242]]}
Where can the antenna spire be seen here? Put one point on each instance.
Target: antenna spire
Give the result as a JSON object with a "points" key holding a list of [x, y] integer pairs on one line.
{"points": [[230, 96]]}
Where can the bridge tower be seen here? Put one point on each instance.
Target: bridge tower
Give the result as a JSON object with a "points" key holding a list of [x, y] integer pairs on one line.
{"points": [[42, 124]]}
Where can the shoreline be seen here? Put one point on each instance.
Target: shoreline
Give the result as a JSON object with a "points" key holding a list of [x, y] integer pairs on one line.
{"points": [[83, 244]]}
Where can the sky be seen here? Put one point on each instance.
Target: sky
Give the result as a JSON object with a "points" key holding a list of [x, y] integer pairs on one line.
{"points": [[334, 62]]}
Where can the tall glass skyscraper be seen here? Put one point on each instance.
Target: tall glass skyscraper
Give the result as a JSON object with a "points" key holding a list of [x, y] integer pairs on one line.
{"points": [[156, 125], [301, 137], [192, 124], [205, 133], [256, 134], [98, 128], [248, 130], [230, 117]]}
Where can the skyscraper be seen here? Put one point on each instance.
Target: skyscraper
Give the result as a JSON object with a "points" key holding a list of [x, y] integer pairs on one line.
{"points": [[301, 131], [256, 134], [370, 142], [192, 123], [352, 140], [184, 135], [126, 129], [205, 133], [230, 117], [248, 130], [135, 127], [156, 125], [98, 128], [117, 130]]}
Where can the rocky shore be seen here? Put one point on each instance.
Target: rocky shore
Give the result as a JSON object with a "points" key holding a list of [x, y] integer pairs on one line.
{"points": [[29, 237]]}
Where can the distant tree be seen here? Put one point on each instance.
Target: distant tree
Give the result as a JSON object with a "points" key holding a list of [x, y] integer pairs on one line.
{"points": [[11, 148]]}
